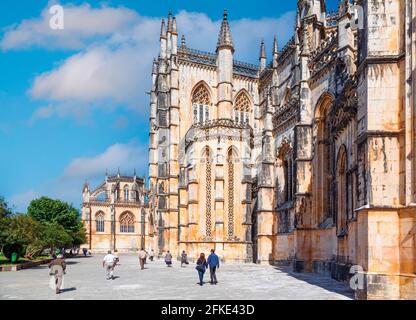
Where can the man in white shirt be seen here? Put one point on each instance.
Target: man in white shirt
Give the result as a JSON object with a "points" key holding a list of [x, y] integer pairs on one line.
{"points": [[108, 264]]}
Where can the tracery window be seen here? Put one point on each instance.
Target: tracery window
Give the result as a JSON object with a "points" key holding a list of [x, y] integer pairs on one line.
{"points": [[127, 222], [99, 221], [200, 103], [242, 109]]}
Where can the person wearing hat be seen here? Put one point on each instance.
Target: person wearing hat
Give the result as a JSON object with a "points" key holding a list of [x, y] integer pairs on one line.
{"points": [[57, 269]]}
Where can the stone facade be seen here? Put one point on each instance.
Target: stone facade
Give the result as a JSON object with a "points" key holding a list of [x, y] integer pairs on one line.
{"points": [[305, 160], [115, 215]]}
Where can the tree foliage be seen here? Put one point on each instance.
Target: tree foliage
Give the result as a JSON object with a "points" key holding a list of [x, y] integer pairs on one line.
{"points": [[47, 210], [49, 224], [5, 214], [55, 236], [5, 211], [57, 212]]}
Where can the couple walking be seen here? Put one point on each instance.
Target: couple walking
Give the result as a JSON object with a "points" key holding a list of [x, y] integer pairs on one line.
{"points": [[213, 263]]}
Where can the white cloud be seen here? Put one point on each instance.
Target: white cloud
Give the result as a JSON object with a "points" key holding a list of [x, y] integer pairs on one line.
{"points": [[115, 70], [98, 74], [126, 156], [82, 24]]}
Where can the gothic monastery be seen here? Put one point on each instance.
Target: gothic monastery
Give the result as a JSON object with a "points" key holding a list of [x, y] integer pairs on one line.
{"points": [[306, 159]]}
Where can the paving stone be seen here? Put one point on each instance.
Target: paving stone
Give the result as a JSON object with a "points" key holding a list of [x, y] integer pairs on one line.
{"points": [[85, 279]]}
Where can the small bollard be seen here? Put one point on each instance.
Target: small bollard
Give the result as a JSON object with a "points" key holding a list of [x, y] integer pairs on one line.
{"points": [[14, 257]]}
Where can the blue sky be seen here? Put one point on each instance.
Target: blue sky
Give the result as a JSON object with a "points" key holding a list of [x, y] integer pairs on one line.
{"points": [[73, 102]]}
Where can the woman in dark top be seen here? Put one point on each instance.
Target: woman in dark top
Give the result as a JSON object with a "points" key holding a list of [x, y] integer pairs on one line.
{"points": [[201, 266]]}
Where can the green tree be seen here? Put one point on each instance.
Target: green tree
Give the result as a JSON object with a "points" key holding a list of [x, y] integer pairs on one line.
{"points": [[24, 230], [5, 215], [25, 233], [79, 237], [47, 210], [54, 236], [5, 211]]}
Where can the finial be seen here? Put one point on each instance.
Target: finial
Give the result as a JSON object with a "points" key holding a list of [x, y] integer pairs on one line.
{"points": [[174, 25], [163, 29], [183, 42], [170, 20], [224, 37], [262, 50], [275, 46]]}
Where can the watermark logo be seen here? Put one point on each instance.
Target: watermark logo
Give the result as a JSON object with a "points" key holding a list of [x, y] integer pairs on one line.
{"points": [[357, 19], [57, 21], [357, 280]]}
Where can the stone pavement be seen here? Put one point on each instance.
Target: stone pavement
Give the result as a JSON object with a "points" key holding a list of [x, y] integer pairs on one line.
{"points": [[86, 279]]}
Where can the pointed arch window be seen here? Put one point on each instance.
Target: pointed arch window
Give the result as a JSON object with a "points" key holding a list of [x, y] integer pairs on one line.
{"points": [[342, 192], [322, 164], [242, 109], [126, 193], [127, 222], [200, 104], [99, 222]]}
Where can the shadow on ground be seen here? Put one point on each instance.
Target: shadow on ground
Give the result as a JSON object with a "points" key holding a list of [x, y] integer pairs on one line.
{"points": [[319, 280]]}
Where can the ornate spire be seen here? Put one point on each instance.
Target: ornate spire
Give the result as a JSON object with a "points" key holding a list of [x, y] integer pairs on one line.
{"points": [[275, 46], [170, 21], [163, 29], [174, 26], [183, 42], [262, 50], [86, 185], [224, 37]]}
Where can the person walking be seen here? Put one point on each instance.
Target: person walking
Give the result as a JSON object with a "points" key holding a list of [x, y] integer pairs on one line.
{"points": [[151, 254], [168, 259], [201, 266], [84, 251], [184, 258], [214, 264], [58, 267], [142, 258], [108, 263]]}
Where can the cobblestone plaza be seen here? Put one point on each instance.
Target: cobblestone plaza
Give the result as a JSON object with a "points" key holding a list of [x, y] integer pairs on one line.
{"points": [[85, 280]]}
